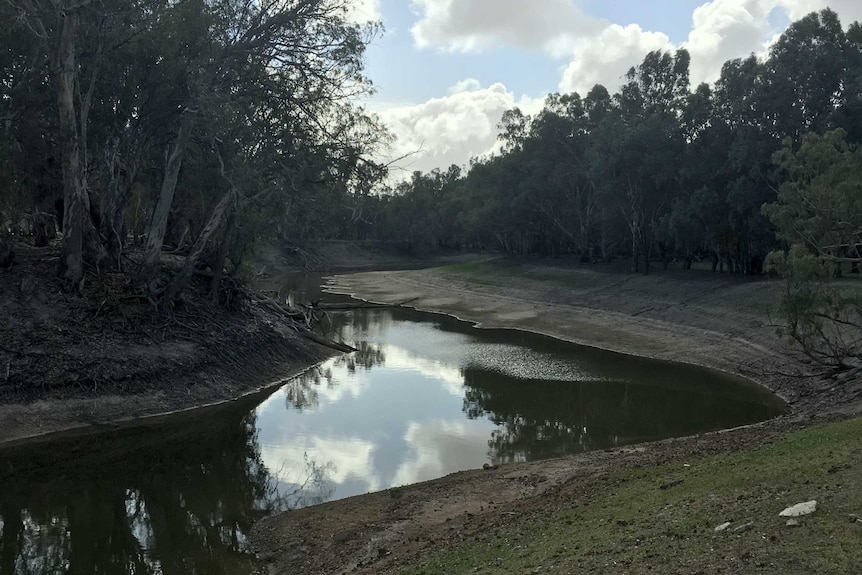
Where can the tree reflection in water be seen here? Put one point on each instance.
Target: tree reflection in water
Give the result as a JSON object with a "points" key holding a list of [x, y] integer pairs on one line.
{"points": [[302, 392], [539, 419], [172, 499]]}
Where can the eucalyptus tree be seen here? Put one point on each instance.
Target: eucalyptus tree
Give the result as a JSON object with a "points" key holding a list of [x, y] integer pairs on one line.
{"points": [[287, 73], [742, 121], [55, 28], [691, 227], [640, 142], [819, 205], [568, 197], [805, 76], [207, 112], [849, 114]]}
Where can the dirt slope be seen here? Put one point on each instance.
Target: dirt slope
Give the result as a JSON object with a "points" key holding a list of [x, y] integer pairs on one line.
{"points": [[103, 357]]}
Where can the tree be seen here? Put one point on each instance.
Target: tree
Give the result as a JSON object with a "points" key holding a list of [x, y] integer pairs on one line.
{"points": [[215, 113], [805, 75], [640, 144], [569, 198], [820, 204], [819, 213]]}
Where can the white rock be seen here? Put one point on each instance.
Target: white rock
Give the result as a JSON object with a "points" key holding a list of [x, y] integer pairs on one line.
{"points": [[800, 509], [723, 526]]}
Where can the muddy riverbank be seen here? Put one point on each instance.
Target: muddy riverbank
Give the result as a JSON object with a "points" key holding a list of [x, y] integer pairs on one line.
{"points": [[719, 322], [106, 357]]}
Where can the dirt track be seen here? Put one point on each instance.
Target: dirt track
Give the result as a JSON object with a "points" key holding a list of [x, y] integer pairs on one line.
{"points": [[720, 322]]}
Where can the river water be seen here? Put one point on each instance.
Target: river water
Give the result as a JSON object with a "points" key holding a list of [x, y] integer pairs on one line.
{"points": [[425, 395]]}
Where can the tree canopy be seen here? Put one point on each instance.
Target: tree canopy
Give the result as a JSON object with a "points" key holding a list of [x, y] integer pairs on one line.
{"points": [[197, 123], [659, 170]]}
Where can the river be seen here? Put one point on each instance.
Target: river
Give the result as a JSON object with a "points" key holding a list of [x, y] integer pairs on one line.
{"points": [[425, 395]]}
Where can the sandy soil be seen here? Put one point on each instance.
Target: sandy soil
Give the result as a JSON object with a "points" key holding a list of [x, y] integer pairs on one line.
{"points": [[720, 322]]}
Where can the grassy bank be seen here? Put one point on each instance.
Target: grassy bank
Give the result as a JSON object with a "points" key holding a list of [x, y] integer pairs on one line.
{"points": [[662, 519]]}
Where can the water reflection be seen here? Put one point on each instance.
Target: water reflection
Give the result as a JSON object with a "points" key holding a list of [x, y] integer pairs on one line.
{"points": [[555, 418], [422, 397], [427, 395], [169, 499]]}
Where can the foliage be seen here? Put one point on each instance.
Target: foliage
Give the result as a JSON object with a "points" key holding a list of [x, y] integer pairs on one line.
{"points": [[820, 203], [657, 171], [823, 316], [819, 212], [206, 125]]}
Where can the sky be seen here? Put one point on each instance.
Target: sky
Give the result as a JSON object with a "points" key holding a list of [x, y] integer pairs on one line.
{"points": [[445, 70]]}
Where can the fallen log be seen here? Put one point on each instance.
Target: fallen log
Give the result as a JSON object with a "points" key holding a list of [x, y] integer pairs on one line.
{"points": [[359, 305], [343, 347], [850, 374]]}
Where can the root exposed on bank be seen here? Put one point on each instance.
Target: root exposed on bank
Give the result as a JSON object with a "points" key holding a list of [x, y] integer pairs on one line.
{"points": [[112, 338]]}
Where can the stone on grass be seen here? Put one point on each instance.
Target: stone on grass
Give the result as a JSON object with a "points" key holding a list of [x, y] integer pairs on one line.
{"points": [[722, 527], [793, 523], [743, 527], [800, 509]]}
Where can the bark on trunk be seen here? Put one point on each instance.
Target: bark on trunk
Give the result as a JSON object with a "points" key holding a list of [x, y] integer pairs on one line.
{"points": [[219, 216], [220, 257], [159, 223], [72, 261], [113, 205]]}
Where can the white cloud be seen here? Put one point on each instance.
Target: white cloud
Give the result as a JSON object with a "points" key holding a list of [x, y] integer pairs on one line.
{"points": [[605, 58], [451, 129], [344, 457], [727, 29], [362, 11], [467, 85], [598, 51], [467, 25], [441, 447], [847, 10]]}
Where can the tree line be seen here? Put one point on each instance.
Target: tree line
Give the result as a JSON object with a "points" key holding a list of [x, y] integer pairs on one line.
{"points": [[660, 171], [200, 125], [207, 125]]}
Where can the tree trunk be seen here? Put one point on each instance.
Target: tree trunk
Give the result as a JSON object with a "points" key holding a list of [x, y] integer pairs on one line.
{"points": [[647, 252], [221, 256], [113, 205], [159, 223], [7, 254], [219, 215], [72, 260]]}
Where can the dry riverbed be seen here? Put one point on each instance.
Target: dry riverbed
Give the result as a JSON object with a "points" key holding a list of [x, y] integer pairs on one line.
{"points": [[716, 321]]}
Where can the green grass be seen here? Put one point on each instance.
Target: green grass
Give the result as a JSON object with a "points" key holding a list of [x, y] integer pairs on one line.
{"points": [[482, 272], [630, 525]]}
